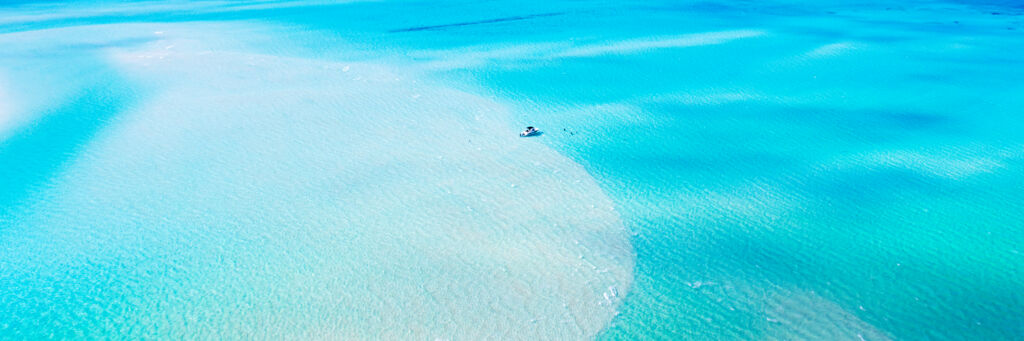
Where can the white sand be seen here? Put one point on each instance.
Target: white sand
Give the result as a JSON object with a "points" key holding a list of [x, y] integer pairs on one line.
{"points": [[269, 197]]}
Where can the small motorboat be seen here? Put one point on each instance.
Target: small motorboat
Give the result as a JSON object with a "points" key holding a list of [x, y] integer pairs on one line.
{"points": [[530, 131]]}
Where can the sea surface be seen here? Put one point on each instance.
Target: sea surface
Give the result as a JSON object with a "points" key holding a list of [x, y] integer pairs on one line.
{"points": [[709, 170]]}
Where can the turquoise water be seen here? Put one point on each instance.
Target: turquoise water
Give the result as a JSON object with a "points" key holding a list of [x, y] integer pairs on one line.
{"points": [[709, 170]]}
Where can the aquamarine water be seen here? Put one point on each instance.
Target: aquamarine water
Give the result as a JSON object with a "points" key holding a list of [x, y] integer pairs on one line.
{"points": [[708, 170]]}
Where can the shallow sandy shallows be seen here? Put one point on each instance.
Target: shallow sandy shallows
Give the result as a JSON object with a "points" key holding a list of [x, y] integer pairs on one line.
{"points": [[262, 196]]}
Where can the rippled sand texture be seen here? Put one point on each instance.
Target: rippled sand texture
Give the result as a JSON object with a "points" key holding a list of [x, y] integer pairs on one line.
{"points": [[251, 195], [786, 170]]}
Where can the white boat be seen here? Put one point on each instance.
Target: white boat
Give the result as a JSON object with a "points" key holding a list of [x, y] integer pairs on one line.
{"points": [[530, 131]]}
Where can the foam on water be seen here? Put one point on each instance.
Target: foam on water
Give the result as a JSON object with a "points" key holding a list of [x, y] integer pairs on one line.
{"points": [[59, 14], [642, 45], [261, 196], [952, 162]]}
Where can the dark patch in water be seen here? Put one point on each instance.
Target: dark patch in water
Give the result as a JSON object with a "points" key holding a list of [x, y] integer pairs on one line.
{"points": [[32, 157], [888, 126], [915, 121], [478, 22]]}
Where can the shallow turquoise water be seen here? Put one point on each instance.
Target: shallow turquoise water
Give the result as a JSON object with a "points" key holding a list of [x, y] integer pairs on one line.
{"points": [[846, 170]]}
